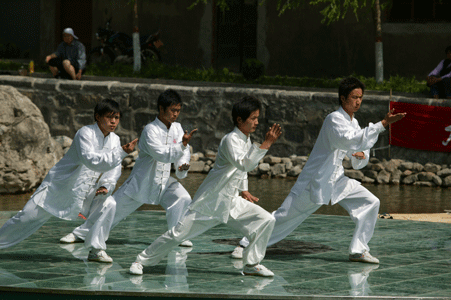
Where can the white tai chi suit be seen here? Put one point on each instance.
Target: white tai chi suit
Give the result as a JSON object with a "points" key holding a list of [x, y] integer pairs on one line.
{"points": [[150, 181], [68, 184], [217, 201], [322, 181]]}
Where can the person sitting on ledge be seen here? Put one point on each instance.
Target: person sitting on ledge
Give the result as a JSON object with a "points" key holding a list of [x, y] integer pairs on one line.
{"points": [[69, 60], [439, 80]]}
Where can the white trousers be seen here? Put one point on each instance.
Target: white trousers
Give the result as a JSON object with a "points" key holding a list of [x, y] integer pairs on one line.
{"points": [[253, 222], [32, 217], [360, 203], [96, 229], [175, 201]]}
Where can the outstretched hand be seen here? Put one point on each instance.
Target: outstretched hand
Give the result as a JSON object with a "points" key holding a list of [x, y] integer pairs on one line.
{"points": [[187, 136], [130, 146], [249, 197], [391, 117], [271, 136]]}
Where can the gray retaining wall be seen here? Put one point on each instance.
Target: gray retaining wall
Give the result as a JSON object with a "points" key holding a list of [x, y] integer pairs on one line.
{"points": [[68, 105]]}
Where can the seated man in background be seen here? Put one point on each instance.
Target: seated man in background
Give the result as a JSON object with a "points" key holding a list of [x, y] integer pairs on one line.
{"points": [[439, 80], [69, 60]]}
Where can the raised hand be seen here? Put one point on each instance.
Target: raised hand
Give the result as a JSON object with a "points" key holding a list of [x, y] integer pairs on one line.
{"points": [[102, 191], [271, 136], [391, 117], [187, 137], [249, 197], [130, 146], [184, 167], [359, 155]]}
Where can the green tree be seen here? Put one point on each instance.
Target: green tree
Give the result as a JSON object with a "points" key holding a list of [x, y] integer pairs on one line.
{"points": [[333, 11]]}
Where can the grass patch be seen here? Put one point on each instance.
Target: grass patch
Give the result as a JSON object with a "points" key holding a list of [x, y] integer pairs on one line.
{"points": [[163, 71]]}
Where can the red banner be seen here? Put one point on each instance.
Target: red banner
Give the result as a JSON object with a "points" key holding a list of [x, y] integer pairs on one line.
{"points": [[425, 127]]}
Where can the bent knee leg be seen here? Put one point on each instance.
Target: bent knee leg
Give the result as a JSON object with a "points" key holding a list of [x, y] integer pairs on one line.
{"points": [[177, 234], [375, 202], [271, 220], [110, 202], [66, 63]]}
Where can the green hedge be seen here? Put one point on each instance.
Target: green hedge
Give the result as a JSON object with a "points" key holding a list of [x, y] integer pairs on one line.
{"points": [[163, 71]]}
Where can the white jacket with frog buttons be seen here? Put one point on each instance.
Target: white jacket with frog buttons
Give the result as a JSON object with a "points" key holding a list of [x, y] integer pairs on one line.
{"points": [[159, 147]]}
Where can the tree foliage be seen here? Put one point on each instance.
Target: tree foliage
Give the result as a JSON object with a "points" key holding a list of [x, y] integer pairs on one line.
{"points": [[332, 10]]}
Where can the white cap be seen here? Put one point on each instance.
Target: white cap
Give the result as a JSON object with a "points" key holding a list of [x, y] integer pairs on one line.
{"points": [[71, 32]]}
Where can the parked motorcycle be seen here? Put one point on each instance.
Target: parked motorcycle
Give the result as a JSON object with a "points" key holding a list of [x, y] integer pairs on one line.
{"points": [[114, 44]]}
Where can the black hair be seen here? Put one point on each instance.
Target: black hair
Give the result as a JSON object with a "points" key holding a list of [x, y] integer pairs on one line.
{"points": [[243, 108], [448, 49], [106, 106], [347, 85], [168, 98]]}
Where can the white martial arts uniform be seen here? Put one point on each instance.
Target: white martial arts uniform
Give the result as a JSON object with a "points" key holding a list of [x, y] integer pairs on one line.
{"points": [[68, 184], [217, 201], [322, 181], [150, 181]]}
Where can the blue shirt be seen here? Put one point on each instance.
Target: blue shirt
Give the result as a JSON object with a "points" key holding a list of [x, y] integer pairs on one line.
{"points": [[75, 51]]}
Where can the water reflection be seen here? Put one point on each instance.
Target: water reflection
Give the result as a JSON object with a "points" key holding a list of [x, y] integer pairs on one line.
{"points": [[272, 192], [358, 280]]}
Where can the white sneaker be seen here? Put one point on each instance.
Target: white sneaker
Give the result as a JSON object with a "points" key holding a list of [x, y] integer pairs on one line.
{"points": [[136, 268], [364, 257], [70, 238], [238, 252], [99, 255], [257, 270], [186, 243]]}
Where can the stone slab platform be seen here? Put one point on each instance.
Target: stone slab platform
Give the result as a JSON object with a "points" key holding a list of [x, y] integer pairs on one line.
{"points": [[312, 263]]}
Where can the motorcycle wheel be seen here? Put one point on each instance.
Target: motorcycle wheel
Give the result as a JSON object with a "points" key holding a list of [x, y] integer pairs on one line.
{"points": [[97, 58], [150, 55]]}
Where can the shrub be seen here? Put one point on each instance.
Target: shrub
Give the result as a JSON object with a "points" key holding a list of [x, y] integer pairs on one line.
{"points": [[253, 69]]}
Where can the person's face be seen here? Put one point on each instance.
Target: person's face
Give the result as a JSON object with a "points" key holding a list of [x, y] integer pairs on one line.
{"points": [[108, 122], [352, 103], [171, 113], [251, 123], [67, 38], [448, 55]]}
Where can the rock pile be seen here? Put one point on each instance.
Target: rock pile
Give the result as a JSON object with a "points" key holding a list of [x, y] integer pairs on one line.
{"points": [[394, 171]]}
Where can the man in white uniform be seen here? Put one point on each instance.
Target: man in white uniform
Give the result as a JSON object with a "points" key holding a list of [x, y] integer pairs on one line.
{"points": [[217, 200], [322, 180], [95, 150], [162, 142]]}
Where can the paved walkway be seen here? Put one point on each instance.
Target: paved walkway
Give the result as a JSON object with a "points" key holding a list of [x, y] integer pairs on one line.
{"points": [[310, 264]]}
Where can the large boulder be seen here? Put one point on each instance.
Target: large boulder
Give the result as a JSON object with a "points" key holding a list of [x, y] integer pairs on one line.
{"points": [[27, 151]]}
